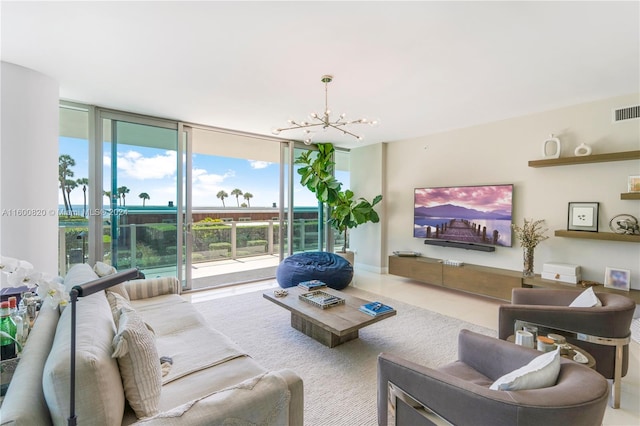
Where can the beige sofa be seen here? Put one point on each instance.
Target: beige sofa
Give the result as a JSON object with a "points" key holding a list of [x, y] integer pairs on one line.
{"points": [[211, 381]]}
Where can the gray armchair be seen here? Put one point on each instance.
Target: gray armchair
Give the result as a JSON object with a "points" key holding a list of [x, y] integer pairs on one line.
{"points": [[603, 331], [458, 393]]}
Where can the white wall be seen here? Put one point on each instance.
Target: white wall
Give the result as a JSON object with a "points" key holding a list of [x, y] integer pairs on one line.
{"points": [[499, 152], [28, 167]]}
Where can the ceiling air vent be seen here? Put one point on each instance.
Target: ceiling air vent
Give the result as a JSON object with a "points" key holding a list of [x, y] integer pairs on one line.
{"points": [[627, 113]]}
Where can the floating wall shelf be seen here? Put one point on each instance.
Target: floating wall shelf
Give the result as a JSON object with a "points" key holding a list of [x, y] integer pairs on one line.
{"points": [[630, 196], [609, 236], [596, 158]]}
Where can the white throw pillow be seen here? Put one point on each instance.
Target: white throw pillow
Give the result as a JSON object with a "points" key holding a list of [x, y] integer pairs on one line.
{"points": [[102, 270], [541, 372], [139, 363], [586, 299]]}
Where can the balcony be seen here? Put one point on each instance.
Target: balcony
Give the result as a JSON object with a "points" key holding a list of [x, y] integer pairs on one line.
{"points": [[223, 252]]}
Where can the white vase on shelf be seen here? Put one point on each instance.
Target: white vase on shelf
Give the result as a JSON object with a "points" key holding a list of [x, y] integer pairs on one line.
{"points": [[582, 150], [555, 143]]}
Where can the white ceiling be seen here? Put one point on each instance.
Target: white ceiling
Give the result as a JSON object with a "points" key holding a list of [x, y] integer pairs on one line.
{"points": [[419, 67]]}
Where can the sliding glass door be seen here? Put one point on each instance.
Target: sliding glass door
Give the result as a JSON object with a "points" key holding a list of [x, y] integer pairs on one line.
{"points": [[232, 218], [140, 210]]}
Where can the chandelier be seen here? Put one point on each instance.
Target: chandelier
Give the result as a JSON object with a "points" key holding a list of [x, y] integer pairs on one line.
{"points": [[324, 120]]}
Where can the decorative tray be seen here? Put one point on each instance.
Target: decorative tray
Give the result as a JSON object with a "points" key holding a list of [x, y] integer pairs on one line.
{"points": [[321, 299]]}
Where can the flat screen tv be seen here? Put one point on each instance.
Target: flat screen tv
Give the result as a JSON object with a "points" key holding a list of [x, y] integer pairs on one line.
{"points": [[464, 214]]}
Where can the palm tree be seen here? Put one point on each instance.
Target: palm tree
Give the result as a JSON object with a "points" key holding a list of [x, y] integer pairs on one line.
{"points": [[108, 195], [144, 197], [248, 196], [121, 192], [237, 192], [65, 162], [84, 182], [222, 195], [70, 185]]}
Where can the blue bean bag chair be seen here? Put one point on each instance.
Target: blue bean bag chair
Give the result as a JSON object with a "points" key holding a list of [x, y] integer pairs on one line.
{"points": [[333, 270]]}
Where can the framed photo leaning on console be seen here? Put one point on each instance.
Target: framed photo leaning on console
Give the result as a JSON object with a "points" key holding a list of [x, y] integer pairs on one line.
{"points": [[620, 279], [583, 216]]}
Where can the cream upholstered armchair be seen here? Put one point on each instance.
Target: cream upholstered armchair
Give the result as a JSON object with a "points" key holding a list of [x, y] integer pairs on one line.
{"points": [[459, 393], [603, 331]]}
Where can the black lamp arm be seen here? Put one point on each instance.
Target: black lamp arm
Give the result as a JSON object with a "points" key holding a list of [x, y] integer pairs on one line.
{"points": [[103, 283], [83, 290]]}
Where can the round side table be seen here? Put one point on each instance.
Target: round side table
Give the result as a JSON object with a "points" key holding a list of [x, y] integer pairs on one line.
{"points": [[591, 362]]}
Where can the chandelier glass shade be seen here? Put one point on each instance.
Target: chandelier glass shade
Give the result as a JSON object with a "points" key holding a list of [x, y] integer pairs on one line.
{"points": [[324, 120]]}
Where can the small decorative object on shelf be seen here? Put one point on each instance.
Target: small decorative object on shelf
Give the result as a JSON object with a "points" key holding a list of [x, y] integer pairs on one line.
{"points": [[582, 150], [451, 262], [530, 235], [624, 224], [375, 308], [555, 143], [583, 216], [407, 253], [634, 183], [587, 283], [321, 299]]}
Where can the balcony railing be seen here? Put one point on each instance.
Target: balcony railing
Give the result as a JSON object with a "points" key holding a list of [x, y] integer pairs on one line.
{"points": [[154, 245]]}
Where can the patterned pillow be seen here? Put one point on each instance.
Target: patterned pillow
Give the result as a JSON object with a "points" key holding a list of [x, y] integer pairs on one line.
{"points": [[138, 360], [117, 303]]}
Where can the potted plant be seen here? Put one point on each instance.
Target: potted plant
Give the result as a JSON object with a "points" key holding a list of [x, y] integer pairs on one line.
{"points": [[346, 213]]}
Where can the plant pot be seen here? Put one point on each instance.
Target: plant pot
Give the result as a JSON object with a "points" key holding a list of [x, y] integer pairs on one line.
{"points": [[349, 255]]}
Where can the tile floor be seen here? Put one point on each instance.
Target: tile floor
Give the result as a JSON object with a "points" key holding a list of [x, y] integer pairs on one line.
{"points": [[474, 309]]}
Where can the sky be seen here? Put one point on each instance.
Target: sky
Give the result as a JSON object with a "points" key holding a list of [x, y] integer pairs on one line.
{"points": [[153, 171], [483, 198]]}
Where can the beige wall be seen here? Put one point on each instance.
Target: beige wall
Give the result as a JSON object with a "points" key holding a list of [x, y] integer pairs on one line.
{"points": [[499, 152], [367, 165]]}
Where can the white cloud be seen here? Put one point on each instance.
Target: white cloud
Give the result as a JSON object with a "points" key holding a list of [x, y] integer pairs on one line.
{"points": [[203, 178], [206, 185], [256, 164], [134, 165]]}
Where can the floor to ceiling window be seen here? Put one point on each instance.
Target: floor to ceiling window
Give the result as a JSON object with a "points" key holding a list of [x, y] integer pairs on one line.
{"points": [[233, 224], [209, 206], [73, 186], [342, 174]]}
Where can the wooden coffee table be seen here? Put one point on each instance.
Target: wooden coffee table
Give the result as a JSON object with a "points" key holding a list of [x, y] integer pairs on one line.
{"points": [[332, 326]]}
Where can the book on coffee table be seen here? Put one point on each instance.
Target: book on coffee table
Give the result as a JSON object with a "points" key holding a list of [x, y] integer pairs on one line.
{"points": [[375, 308], [311, 285]]}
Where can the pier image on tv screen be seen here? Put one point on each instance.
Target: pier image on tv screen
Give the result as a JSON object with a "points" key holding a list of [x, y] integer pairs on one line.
{"points": [[467, 214]]}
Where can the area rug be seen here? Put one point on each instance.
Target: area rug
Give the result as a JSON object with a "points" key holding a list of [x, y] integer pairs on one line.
{"points": [[635, 330], [339, 383]]}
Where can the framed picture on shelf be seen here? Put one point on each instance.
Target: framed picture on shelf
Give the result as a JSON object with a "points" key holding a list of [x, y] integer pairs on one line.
{"points": [[634, 184], [617, 278], [583, 217]]}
